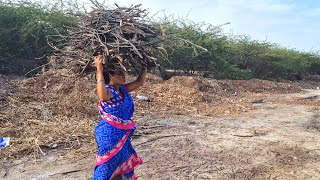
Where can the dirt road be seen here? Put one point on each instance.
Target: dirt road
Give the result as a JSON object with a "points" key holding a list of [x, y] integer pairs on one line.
{"points": [[276, 141]]}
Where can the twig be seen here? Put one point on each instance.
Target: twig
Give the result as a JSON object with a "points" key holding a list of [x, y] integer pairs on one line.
{"points": [[67, 172], [37, 68], [119, 33], [252, 135], [39, 147], [187, 41], [151, 127], [160, 137]]}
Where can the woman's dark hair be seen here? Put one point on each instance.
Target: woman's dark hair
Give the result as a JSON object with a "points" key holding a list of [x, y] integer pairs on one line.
{"points": [[106, 75], [110, 71]]}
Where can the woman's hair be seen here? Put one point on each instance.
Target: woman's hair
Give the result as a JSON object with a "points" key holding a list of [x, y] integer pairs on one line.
{"points": [[110, 71], [106, 76]]}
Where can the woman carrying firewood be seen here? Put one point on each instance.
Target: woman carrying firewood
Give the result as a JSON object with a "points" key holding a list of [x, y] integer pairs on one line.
{"points": [[116, 158]]}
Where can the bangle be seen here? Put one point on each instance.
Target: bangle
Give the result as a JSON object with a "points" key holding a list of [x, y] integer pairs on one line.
{"points": [[102, 80]]}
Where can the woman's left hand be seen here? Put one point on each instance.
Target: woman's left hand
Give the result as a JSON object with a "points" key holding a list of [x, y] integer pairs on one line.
{"points": [[140, 80], [98, 62]]}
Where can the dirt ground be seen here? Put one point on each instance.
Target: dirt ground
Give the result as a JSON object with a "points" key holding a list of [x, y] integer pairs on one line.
{"points": [[276, 139]]}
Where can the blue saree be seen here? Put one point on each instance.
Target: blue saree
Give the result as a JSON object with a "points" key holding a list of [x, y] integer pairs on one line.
{"points": [[113, 133]]}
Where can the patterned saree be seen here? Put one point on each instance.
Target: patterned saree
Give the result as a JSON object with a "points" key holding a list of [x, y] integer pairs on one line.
{"points": [[116, 155]]}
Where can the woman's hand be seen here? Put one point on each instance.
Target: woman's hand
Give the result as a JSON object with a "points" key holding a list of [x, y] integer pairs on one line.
{"points": [[98, 62], [102, 92], [139, 82]]}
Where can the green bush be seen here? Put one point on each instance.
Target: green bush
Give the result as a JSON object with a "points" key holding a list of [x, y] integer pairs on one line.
{"points": [[24, 27], [233, 57]]}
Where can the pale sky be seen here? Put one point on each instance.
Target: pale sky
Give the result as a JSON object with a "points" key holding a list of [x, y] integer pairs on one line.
{"points": [[293, 24]]}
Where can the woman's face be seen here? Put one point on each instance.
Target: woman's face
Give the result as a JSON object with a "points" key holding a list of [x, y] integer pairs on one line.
{"points": [[119, 78]]}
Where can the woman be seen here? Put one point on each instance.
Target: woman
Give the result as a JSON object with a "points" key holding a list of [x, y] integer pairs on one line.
{"points": [[116, 157]]}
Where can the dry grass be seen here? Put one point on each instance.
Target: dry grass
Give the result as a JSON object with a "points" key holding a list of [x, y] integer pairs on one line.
{"points": [[314, 122], [202, 96], [57, 110], [52, 111]]}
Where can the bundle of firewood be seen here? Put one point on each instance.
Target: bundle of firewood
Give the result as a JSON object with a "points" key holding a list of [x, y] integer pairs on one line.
{"points": [[122, 35], [119, 35]]}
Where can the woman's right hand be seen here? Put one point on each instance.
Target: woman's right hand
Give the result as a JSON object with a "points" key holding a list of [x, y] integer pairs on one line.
{"points": [[98, 62]]}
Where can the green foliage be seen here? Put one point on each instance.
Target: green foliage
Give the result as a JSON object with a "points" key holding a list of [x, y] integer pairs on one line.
{"points": [[187, 56], [233, 57], [24, 27], [269, 61]]}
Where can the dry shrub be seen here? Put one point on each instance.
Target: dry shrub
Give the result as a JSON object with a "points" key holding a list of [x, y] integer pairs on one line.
{"points": [[259, 86], [54, 110], [204, 96], [315, 78], [57, 110], [300, 101], [314, 122], [227, 87], [154, 79]]}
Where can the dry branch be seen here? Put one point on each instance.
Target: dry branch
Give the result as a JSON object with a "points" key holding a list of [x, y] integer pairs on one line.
{"points": [[119, 35]]}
